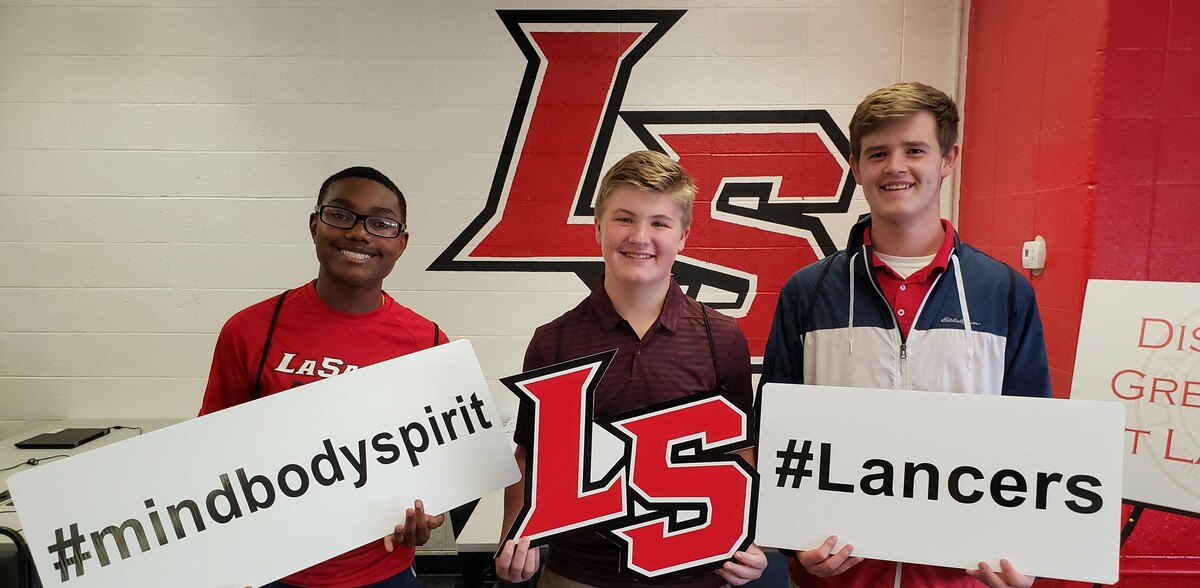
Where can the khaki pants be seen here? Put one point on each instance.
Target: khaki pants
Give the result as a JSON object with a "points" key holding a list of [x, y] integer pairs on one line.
{"points": [[550, 579]]}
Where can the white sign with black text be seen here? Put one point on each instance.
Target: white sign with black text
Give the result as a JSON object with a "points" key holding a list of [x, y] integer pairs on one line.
{"points": [[943, 479], [252, 493]]}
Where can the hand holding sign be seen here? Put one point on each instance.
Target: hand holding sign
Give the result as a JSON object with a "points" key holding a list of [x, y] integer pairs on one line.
{"points": [[746, 566], [1007, 577], [415, 528], [823, 561], [517, 560]]}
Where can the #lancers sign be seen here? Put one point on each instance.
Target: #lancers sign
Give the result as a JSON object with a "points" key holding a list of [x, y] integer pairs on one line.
{"points": [[978, 478]]}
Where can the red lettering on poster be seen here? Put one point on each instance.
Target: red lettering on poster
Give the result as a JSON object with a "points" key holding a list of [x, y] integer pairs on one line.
{"points": [[717, 493], [556, 487], [694, 499]]}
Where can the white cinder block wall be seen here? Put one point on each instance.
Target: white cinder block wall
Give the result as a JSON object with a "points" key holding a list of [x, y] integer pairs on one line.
{"points": [[158, 160]]}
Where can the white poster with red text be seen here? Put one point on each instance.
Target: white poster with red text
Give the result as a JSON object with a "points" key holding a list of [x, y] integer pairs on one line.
{"points": [[1139, 344]]}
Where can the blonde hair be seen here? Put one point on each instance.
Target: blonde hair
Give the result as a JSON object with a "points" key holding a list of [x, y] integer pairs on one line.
{"points": [[901, 100], [650, 171]]}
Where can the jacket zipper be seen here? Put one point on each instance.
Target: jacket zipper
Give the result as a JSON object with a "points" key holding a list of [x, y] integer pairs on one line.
{"points": [[901, 382]]}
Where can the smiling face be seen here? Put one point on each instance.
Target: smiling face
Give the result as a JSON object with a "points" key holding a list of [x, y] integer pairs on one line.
{"points": [[640, 232], [901, 168], [352, 260]]}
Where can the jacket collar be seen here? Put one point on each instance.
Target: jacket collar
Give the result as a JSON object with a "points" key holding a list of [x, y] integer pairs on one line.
{"points": [[856, 242]]}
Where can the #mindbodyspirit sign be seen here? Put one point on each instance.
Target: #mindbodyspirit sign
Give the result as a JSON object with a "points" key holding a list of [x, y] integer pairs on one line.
{"points": [[252, 493]]}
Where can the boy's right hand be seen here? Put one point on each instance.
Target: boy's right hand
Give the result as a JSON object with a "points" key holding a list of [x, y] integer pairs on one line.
{"points": [[517, 562], [822, 562]]}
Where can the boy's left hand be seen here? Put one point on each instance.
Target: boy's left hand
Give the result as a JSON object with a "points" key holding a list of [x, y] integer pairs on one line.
{"points": [[748, 567], [1008, 576], [415, 528]]}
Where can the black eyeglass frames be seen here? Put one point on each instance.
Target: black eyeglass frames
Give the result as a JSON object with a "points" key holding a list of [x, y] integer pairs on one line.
{"points": [[338, 217]]}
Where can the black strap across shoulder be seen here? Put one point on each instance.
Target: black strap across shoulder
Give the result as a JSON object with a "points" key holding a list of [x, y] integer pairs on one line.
{"points": [[558, 344], [262, 363], [712, 347]]}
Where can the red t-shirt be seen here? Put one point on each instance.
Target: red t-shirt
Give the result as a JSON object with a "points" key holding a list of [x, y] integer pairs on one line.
{"points": [[312, 341]]}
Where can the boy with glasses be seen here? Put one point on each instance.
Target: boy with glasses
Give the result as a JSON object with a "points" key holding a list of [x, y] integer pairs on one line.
{"points": [[340, 321]]}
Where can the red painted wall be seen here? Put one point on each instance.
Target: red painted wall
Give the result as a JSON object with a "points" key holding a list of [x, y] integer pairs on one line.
{"points": [[1081, 123]]}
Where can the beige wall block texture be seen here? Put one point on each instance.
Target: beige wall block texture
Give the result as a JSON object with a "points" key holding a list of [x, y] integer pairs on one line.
{"points": [[117, 311], [34, 126], [159, 80], [167, 157], [48, 398], [739, 80], [465, 28], [105, 355], [474, 128], [297, 80], [295, 31], [63, 220], [477, 80], [687, 80], [931, 30], [388, 79], [692, 36], [30, 30], [873, 32], [218, 31], [931, 69], [830, 82], [398, 29], [32, 78], [766, 32], [80, 265]]}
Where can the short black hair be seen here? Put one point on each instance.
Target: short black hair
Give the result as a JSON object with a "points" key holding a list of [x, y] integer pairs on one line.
{"points": [[367, 173]]}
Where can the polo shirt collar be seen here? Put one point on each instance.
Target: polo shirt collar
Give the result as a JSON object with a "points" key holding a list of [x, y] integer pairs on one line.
{"points": [[608, 317], [941, 260]]}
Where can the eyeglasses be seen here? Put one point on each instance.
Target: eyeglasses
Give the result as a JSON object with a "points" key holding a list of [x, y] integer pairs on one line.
{"points": [[338, 217]]}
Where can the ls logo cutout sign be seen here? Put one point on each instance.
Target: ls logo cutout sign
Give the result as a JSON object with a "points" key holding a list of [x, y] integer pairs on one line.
{"points": [[675, 498], [769, 180]]}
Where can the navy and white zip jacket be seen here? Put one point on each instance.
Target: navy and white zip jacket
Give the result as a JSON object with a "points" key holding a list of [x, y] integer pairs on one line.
{"points": [[834, 327]]}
